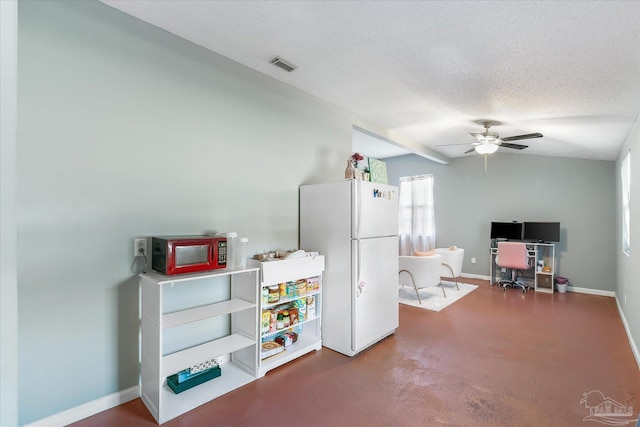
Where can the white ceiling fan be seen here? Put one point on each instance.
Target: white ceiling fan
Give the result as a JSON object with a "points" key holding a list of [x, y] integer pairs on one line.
{"points": [[489, 142]]}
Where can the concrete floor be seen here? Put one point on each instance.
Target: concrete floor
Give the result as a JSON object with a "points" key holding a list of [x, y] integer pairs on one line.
{"points": [[492, 358]]}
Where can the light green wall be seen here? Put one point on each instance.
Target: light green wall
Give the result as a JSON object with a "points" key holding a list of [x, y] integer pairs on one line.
{"points": [[628, 266], [8, 220], [578, 193], [125, 130]]}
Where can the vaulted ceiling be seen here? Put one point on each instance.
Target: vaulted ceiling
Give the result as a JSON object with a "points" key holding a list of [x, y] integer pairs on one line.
{"points": [[427, 73]]}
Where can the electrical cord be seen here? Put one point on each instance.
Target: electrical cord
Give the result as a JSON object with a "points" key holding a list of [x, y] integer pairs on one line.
{"points": [[136, 261]]}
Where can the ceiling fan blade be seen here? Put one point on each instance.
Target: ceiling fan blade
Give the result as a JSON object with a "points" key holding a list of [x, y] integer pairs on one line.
{"points": [[526, 136], [470, 150], [449, 145], [514, 146]]}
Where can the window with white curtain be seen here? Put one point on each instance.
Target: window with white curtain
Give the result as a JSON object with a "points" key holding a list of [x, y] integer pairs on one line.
{"points": [[417, 228], [625, 175]]}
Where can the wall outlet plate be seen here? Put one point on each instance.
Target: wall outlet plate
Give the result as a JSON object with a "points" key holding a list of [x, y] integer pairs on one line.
{"points": [[139, 247]]}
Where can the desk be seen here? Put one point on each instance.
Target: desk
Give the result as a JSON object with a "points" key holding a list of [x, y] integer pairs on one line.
{"points": [[542, 255]]}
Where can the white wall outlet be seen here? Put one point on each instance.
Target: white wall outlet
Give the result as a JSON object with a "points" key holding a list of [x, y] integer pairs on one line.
{"points": [[139, 247], [473, 260]]}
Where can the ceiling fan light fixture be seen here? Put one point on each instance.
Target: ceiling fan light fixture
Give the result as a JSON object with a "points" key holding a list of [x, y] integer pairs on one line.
{"points": [[486, 148], [488, 142]]}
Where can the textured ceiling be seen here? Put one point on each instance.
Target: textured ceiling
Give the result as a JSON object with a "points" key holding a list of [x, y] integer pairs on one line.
{"points": [[428, 73]]}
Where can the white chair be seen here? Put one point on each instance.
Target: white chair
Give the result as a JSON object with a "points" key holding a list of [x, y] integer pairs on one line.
{"points": [[420, 272], [452, 260]]}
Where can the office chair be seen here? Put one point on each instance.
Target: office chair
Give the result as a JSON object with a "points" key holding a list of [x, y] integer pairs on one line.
{"points": [[513, 255]]}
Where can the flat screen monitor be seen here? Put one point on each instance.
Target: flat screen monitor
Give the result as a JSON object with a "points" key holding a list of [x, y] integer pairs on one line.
{"points": [[506, 230], [542, 231]]}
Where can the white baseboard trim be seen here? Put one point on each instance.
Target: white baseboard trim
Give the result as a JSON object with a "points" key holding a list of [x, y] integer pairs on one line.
{"points": [[569, 288], [632, 343], [88, 409], [474, 276], [591, 291]]}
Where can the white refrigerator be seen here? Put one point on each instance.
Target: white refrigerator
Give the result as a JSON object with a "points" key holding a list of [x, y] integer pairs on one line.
{"points": [[355, 225]]}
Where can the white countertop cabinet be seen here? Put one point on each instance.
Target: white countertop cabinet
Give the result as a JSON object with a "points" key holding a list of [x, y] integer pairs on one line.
{"points": [[309, 330]]}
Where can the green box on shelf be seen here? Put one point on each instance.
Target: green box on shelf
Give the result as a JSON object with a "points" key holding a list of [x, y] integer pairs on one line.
{"points": [[177, 387]]}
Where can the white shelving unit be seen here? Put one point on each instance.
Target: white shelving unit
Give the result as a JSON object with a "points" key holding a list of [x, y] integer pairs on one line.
{"points": [[239, 348], [309, 336], [544, 281]]}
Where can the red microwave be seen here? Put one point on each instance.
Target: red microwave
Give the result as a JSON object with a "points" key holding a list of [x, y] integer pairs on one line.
{"points": [[188, 254]]}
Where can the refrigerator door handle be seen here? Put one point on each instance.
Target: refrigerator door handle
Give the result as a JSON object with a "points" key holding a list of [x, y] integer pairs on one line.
{"points": [[355, 291], [358, 282], [358, 208]]}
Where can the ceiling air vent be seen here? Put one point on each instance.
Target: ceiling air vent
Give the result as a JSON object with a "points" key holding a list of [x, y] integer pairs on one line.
{"points": [[279, 62]]}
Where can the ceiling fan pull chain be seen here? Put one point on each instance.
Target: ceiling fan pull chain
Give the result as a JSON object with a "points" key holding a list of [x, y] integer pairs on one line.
{"points": [[485, 164]]}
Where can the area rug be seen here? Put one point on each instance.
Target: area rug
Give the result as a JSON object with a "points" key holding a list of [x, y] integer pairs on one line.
{"points": [[432, 298]]}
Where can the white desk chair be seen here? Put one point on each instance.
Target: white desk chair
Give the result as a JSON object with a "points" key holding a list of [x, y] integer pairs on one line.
{"points": [[452, 260], [420, 272]]}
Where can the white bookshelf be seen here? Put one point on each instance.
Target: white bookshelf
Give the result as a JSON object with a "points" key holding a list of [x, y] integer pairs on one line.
{"points": [[239, 348]]}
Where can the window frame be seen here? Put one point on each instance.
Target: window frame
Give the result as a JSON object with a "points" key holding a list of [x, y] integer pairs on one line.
{"points": [[625, 179]]}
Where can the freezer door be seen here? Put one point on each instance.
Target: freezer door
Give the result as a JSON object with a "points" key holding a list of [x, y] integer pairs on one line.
{"points": [[375, 290], [375, 210]]}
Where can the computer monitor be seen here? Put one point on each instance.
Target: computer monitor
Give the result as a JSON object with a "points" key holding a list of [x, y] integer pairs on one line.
{"points": [[541, 231], [506, 230]]}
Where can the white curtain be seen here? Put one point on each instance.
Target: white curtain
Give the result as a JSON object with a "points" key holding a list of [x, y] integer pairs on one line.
{"points": [[416, 217]]}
